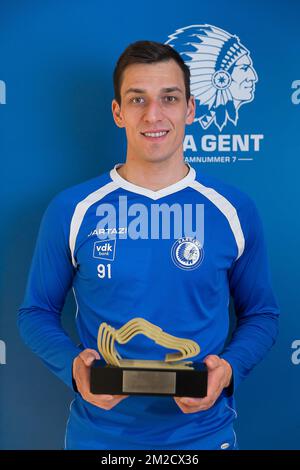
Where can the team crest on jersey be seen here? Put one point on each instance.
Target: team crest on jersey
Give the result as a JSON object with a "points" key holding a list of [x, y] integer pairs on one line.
{"points": [[187, 253], [105, 249]]}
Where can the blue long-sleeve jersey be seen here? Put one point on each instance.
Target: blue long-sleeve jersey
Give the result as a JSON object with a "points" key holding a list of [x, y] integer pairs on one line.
{"points": [[108, 240]]}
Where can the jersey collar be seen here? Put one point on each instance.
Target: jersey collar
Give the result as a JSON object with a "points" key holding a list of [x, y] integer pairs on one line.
{"points": [[173, 188]]}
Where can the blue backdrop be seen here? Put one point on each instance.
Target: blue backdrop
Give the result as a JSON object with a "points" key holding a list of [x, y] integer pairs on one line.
{"points": [[57, 59]]}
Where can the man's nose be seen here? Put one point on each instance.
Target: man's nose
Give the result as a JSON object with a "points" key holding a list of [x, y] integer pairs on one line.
{"points": [[153, 112]]}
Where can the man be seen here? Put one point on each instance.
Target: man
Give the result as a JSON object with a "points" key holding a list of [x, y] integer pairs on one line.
{"points": [[102, 238]]}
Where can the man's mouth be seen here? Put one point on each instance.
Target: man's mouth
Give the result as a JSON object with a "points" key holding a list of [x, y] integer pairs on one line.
{"points": [[155, 135]]}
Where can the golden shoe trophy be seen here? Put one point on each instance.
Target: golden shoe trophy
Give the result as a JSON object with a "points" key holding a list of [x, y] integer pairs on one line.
{"points": [[174, 376]]}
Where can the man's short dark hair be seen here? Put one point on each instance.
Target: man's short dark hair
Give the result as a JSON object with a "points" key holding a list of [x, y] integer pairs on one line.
{"points": [[148, 52]]}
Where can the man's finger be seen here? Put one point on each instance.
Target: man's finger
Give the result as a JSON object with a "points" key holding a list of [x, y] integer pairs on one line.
{"points": [[190, 401], [107, 404], [88, 356], [104, 397], [214, 386], [187, 408], [212, 361]]}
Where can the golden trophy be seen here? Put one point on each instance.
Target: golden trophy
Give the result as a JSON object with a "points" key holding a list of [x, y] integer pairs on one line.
{"points": [[174, 376]]}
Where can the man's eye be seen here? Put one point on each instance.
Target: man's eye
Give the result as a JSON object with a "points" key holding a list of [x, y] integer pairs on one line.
{"points": [[170, 99], [245, 68], [137, 99]]}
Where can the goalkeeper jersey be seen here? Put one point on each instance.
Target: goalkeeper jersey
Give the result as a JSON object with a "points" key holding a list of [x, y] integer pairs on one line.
{"points": [[173, 257]]}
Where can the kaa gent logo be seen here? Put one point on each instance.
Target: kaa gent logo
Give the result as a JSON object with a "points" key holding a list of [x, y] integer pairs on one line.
{"points": [[105, 249], [187, 253], [222, 73]]}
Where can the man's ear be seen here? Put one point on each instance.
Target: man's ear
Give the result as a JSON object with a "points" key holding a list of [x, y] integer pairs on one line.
{"points": [[117, 114], [191, 110]]}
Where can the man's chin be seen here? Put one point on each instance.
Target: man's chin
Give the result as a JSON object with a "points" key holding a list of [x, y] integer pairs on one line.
{"points": [[156, 158]]}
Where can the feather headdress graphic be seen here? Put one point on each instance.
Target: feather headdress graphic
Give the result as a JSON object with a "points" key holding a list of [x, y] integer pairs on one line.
{"points": [[222, 73]]}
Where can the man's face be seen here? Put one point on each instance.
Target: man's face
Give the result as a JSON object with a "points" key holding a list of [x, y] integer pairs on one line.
{"points": [[153, 101]]}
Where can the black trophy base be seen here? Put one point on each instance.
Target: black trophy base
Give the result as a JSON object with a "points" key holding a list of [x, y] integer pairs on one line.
{"points": [[112, 380]]}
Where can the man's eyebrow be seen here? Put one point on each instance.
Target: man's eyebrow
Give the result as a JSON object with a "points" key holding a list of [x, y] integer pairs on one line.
{"points": [[171, 89], [163, 90], [134, 90]]}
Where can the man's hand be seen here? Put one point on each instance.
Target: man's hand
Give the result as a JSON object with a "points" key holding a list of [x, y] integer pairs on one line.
{"points": [[81, 374], [219, 377]]}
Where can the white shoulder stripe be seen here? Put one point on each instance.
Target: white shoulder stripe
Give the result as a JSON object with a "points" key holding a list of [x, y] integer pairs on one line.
{"points": [[227, 209], [81, 209]]}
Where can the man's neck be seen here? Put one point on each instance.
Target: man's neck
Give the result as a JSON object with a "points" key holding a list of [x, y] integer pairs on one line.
{"points": [[153, 175]]}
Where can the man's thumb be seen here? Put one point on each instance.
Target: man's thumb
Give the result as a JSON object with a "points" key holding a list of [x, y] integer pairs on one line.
{"points": [[212, 361], [88, 356]]}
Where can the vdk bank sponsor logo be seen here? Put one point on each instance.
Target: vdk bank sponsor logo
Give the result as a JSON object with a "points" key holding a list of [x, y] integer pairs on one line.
{"points": [[105, 249]]}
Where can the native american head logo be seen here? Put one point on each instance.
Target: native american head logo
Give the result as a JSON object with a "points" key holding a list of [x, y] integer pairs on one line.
{"points": [[222, 73]]}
